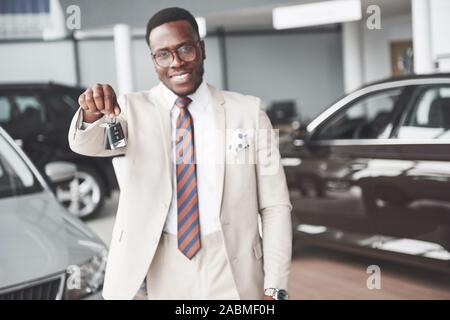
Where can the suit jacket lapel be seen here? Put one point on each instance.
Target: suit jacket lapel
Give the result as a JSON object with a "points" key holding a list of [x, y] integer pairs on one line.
{"points": [[218, 103]]}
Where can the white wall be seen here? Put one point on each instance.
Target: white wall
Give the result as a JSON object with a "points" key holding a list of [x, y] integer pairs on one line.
{"points": [[303, 67], [308, 68], [144, 74], [213, 66], [97, 63], [376, 45], [37, 61]]}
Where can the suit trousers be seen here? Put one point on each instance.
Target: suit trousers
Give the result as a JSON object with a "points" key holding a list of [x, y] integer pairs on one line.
{"points": [[206, 276]]}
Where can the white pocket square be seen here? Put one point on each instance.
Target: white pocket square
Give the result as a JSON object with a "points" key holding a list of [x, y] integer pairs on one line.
{"points": [[238, 141]]}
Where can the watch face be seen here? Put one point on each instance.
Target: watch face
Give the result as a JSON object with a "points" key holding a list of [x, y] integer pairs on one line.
{"points": [[282, 295]]}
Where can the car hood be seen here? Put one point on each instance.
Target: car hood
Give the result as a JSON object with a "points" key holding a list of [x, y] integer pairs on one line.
{"points": [[39, 238]]}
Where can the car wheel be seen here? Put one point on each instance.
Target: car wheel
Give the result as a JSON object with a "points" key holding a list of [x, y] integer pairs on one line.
{"points": [[84, 195]]}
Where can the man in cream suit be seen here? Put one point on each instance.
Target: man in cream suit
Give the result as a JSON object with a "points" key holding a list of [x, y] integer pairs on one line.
{"points": [[200, 167]]}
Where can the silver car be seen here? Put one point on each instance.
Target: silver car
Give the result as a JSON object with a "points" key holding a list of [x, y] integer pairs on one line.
{"points": [[45, 252]]}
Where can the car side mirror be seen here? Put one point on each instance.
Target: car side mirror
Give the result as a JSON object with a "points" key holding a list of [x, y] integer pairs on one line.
{"points": [[60, 171], [299, 133], [283, 112]]}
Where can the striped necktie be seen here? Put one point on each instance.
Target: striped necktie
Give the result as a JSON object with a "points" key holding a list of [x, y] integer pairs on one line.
{"points": [[187, 197]]}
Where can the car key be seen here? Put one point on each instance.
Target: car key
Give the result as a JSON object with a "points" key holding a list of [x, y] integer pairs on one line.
{"points": [[114, 136]]}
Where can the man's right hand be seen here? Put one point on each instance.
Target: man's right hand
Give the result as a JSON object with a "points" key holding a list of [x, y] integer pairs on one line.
{"points": [[97, 101]]}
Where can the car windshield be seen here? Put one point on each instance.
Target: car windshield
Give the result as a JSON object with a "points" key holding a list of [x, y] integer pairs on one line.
{"points": [[16, 178]]}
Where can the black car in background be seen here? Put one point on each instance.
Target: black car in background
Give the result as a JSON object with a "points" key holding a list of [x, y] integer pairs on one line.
{"points": [[371, 174], [38, 116]]}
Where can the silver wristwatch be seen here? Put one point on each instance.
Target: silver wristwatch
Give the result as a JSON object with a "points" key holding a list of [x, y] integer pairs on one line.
{"points": [[276, 294]]}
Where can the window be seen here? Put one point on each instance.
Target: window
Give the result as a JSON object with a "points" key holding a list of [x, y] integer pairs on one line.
{"points": [[368, 118], [63, 106], [21, 109], [5, 110], [71, 101], [429, 115], [22, 115], [29, 107], [16, 177]]}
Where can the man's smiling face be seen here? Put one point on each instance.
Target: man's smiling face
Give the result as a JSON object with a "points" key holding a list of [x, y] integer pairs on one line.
{"points": [[182, 77]]}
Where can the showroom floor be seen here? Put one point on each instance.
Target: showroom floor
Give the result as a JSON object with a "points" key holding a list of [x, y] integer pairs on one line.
{"points": [[325, 274]]}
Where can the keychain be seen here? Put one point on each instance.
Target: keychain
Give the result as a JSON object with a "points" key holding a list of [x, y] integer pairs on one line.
{"points": [[114, 137]]}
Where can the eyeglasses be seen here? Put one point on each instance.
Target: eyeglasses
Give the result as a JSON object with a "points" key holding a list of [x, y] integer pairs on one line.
{"points": [[187, 53]]}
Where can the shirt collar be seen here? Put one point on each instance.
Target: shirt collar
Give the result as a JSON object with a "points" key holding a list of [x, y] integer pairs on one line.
{"points": [[200, 96]]}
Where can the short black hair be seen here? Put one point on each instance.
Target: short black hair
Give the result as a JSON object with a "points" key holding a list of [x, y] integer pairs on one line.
{"points": [[169, 15]]}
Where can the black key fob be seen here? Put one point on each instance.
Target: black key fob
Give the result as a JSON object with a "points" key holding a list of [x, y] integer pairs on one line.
{"points": [[114, 136]]}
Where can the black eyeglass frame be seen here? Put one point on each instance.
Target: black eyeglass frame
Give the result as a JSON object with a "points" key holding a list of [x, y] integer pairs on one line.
{"points": [[175, 51]]}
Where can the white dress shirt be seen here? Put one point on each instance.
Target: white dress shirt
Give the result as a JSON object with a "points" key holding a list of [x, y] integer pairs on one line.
{"points": [[202, 112]]}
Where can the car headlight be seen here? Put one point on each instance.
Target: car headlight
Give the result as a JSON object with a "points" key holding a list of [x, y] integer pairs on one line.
{"points": [[86, 278]]}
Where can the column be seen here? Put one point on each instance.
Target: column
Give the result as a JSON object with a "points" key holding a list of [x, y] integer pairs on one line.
{"points": [[351, 55], [421, 25], [124, 63]]}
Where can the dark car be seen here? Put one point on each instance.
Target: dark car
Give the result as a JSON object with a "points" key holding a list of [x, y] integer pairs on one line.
{"points": [[371, 174], [38, 116]]}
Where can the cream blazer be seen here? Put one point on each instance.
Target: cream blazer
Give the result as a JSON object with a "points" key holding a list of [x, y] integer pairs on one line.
{"points": [[251, 184]]}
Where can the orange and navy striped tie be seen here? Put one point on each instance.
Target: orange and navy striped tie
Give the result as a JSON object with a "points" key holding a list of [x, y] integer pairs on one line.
{"points": [[187, 197]]}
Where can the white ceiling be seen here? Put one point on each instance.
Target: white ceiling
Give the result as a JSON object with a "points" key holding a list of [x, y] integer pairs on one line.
{"points": [[258, 18]]}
